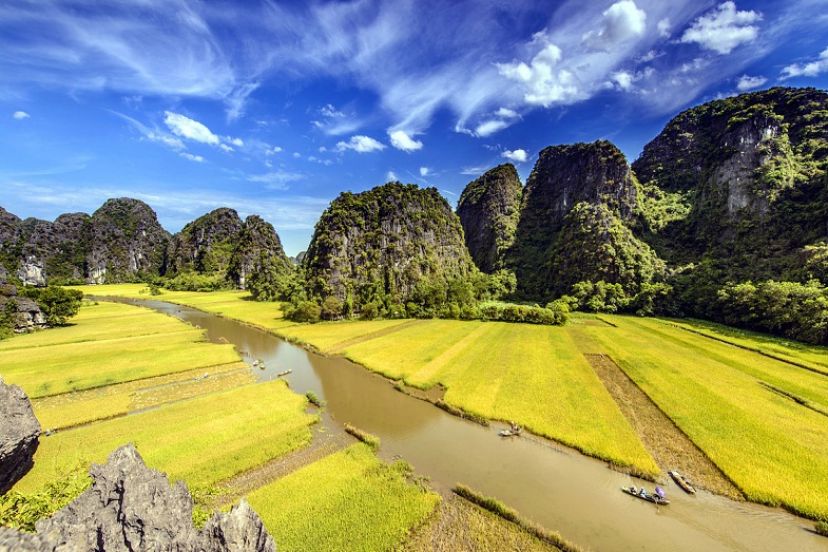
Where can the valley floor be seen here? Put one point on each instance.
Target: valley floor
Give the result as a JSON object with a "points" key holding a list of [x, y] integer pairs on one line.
{"points": [[122, 373], [750, 412]]}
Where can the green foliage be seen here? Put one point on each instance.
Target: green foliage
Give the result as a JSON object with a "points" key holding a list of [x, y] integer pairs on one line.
{"points": [[314, 399], [304, 311], [371, 440], [821, 527], [22, 511], [794, 310], [331, 308], [194, 281], [273, 283], [8, 314], [510, 312], [58, 304]]}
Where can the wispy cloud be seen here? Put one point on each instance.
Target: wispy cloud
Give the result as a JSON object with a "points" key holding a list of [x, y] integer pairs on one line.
{"points": [[20, 115], [276, 180], [402, 141], [190, 129], [361, 144], [724, 28], [747, 82], [517, 155], [809, 69]]}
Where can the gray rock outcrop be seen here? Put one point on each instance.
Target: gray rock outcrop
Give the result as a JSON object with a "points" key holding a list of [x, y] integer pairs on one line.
{"points": [[19, 434], [131, 507]]}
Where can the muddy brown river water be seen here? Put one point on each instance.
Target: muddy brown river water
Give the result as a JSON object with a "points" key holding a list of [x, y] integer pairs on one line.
{"points": [[559, 488]]}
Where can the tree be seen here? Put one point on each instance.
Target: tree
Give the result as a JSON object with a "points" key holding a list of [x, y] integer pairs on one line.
{"points": [[58, 304]]}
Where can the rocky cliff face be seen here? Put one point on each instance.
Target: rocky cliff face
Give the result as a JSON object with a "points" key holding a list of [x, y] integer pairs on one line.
{"points": [[382, 242], [750, 172], [206, 244], [489, 209], [133, 508], [579, 206], [17, 314], [19, 434], [126, 242], [258, 248]]}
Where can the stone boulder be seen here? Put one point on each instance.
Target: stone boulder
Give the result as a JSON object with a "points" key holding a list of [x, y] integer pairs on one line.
{"points": [[19, 434], [131, 507]]}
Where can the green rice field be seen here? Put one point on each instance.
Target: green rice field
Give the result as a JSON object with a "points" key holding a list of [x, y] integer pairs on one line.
{"points": [[346, 501], [755, 405]]}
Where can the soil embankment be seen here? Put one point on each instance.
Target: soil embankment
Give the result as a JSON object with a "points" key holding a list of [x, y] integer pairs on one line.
{"points": [[669, 446]]}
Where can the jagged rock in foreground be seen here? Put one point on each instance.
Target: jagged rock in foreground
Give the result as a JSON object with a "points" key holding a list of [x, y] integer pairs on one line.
{"points": [[131, 507], [19, 435], [489, 209]]}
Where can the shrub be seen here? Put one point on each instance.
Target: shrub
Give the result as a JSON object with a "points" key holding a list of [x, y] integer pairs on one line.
{"points": [[821, 528], [331, 308], [369, 311], [371, 440], [193, 281], [23, 510], [58, 304], [304, 311], [314, 399]]}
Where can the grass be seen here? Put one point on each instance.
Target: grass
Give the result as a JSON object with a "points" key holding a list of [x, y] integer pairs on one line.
{"points": [[736, 403], [774, 449], [821, 528], [501, 510], [107, 343], [371, 440], [202, 440], [347, 501], [71, 409], [534, 375], [813, 357]]}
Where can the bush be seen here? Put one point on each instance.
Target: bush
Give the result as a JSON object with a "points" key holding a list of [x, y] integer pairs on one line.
{"points": [[821, 528], [193, 281], [790, 309], [21, 511], [304, 311], [58, 304], [371, 440], [331, 308], [369, 311]]}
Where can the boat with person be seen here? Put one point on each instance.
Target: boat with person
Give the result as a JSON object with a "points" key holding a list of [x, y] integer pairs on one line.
{"points": [[657, 497], [682, 482], [513, 431]]}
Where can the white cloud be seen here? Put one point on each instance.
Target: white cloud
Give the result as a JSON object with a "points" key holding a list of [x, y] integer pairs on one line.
{"points": [[276, 180], [810, 69], [506, 113], [360, 144], [335, 122], [747, 82], [723, 29], [226, 148], [191, 157], [518, 155], [621, 22], [624, 79], [274, 150], [390, 176], [238, 142], [473, 171], [153, 134], [663, 27], [403, 141], [545, 84], [487, 128], [424, 171], [191, 129], [20, 115]]}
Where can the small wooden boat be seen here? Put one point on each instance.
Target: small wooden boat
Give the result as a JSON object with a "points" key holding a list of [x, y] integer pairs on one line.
{"points": [[286, 372], [649, 497], [682, 482], [510, 432]]}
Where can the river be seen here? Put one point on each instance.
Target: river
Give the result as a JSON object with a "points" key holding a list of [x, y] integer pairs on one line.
{"points": [[557, 487]]}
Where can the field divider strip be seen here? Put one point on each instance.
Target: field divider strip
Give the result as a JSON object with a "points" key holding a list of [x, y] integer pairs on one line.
{"points": [[337, 348], [746, 348]]}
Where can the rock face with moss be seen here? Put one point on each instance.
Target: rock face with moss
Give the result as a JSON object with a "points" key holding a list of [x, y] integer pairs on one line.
{"points": [[377, 245], [579, 212], [749, 174], [132, 507], [206, 244], [258, 248], [126, 242], [489, 209], [19, 435]]}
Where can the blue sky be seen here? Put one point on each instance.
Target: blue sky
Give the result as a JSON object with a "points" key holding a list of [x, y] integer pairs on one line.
{"points": [[275, 107]]}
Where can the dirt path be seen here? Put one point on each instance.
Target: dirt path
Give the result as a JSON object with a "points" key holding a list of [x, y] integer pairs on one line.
{"points": [[669, 446], [342, 345], [323, 444]]}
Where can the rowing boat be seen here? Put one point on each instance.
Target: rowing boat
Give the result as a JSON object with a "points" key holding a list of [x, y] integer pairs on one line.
{"points": [[655, 499], [682, 482]]}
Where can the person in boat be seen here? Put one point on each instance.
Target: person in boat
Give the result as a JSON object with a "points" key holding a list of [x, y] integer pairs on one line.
{"points": [[633, 489], [643, 493], [514, 428]]}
